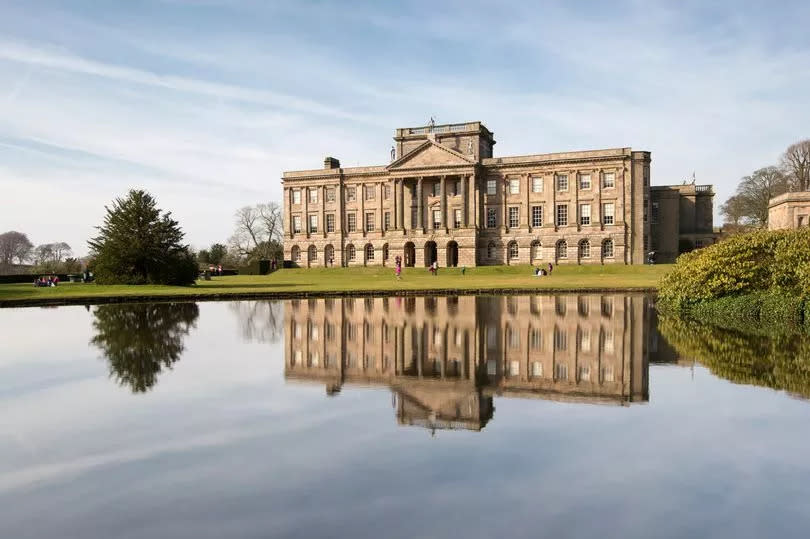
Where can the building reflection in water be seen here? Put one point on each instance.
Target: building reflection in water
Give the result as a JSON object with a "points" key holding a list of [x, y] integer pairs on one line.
{"points": [[445, 358]]}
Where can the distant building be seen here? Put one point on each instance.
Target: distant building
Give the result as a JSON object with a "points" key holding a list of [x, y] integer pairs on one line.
{"points": [[789, 211], [681, 219], [445, 197]]}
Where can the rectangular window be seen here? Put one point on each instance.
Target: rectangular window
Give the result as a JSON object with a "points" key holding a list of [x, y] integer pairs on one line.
{"points": [[330, 222], [370, 192], [514, 186], [535, 339], [492, 188], [387, 220], [514, 217], [351, 194], [387, 191], [654, 216], [437, 189], [437, 218], [296, 196], [537, 215], [492, 217], [369, 222], [584, 181], [562, 182], [313, 223], [330, 194], [562, 215], [296, 224], [584, 214], [351, 222], [457, 218], [607, 213], [313, 195], [537, 184], [608, 180]]}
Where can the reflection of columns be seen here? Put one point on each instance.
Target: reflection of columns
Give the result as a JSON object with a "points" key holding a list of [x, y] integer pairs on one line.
{"points": [[419, 218], [420, 335], [443, 197]]}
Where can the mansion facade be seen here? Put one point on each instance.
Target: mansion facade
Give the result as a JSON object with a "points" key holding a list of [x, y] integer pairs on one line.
{"points": [[444, 197]]}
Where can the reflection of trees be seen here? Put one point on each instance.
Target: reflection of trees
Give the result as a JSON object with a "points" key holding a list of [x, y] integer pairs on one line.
{"points": [[260, 321], [779, 362], [140, 340]]}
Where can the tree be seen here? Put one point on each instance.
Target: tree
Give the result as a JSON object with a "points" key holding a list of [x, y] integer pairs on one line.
{"points": [[142, 339], [749, 205], [14, 246], [796, 165], [258, 231], [138, 244], [203, 257], [216, 253]]}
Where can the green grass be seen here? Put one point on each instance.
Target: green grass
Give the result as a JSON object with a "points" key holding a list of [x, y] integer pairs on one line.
{"points": [[360, 279]]}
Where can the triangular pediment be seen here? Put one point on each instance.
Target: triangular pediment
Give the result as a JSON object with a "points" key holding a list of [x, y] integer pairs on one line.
{"points": [[430, 154]]}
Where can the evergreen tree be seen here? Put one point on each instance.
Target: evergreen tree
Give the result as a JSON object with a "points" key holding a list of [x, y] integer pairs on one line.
{"points": [[139, 244]]}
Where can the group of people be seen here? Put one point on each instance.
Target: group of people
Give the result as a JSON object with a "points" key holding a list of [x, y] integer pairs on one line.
{"points": [[50, 280], [540, 272], [398, 266], [215, 270]]}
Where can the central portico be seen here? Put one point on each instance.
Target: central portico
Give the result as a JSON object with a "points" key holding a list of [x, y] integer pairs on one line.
{"points": [[443, 197]]}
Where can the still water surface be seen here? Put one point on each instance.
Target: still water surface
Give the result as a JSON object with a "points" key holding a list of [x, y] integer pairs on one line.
{"points": [[526, 416]]}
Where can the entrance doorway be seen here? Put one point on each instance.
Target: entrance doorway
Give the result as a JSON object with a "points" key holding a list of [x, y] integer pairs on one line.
{"points": [[410, 254], [430, 253], [452, 254]]}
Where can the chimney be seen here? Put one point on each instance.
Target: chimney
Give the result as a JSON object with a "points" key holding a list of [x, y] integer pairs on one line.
{"points": [[331, 162]]}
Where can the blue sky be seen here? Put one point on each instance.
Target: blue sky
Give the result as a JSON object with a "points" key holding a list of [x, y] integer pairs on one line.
{"points": [[205, 103]]}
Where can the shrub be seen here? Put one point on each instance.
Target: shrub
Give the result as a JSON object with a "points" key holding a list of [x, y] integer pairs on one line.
{"points": [[742, 264]]}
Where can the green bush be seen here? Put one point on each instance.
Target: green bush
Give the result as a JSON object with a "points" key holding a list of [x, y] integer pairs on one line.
{"points": [[754, 262]]}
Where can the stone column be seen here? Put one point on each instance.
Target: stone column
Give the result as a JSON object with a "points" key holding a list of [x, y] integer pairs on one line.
{"points": [[305, 203], [322, 218], [443, 198], [419, 217], [465, 200], [362, 216], [289, 212], [395, 205], [504, 187], [402, 205], [527, 182]]}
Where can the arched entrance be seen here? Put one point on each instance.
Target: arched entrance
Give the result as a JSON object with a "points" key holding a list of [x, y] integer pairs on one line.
{"points": [[329, 256], [410, 254], [430, 253], [452, 254]]}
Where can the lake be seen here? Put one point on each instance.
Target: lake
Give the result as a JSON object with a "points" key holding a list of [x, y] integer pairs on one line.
{"points": [[522, 416]]}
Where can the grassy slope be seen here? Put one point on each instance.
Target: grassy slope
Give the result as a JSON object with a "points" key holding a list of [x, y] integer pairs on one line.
{"points": [[359, 279]]}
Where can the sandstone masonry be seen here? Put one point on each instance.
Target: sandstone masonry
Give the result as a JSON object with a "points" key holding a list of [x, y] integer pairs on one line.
{"points": [[444, 197]]}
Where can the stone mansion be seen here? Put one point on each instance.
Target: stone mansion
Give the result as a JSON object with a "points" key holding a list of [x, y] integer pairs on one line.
{"points": [[444, 197]]}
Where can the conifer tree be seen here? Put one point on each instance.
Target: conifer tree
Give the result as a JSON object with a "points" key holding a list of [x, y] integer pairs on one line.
{"points": [[139, 244]]}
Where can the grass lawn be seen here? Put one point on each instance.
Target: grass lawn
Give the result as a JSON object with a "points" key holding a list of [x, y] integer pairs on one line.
{"points": [[360, 279]]}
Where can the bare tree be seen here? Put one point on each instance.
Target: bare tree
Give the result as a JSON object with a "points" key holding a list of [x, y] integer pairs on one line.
{"points": [[259, 321], [14, 245], [796, 165], [258, 231], [50, 256], [749, 205]]}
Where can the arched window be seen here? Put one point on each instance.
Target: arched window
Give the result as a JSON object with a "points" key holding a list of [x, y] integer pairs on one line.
{"points": [[513, 250], [562, 250], [385, 252], [369, 252], [295, 253], [328, 255], [535, 250], [584, 249], [607, 249], [312, 253], [491, 250], [350, 254]]}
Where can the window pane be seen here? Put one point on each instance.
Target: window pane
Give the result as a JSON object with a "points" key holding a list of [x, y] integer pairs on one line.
{"points": [[584, 214], [585, 181], [514, 186], [537, 184], [491, 187], [514, 217], [562, 215], [537, 215], [562, 182]]}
